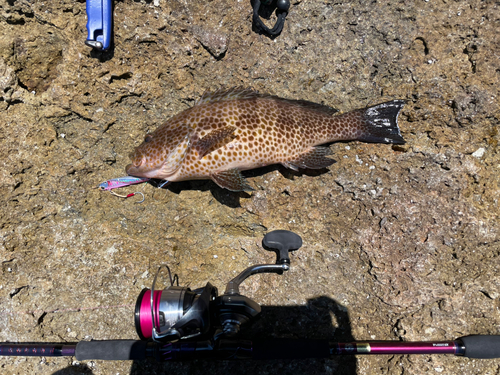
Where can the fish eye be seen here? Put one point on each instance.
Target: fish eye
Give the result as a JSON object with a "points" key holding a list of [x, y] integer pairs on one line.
{"points": [[148, 138]]}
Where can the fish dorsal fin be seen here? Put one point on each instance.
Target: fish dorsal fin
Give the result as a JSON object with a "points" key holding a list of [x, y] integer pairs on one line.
{"points": [[228, 94], [309, 105], [176, 157], [239, 92]]}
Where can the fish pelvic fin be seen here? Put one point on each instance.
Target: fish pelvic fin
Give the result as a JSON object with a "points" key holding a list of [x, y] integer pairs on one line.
{"points": [[232, 179], [381, 123], [314, 158], [214, 140]]}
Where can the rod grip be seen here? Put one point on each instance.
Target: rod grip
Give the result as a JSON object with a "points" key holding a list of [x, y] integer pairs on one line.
{"points": [[111, 350], [290, 349], [481, 346]]}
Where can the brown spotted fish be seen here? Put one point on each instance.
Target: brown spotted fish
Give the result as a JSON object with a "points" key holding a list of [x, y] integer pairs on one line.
{"points": [[228, 131]]}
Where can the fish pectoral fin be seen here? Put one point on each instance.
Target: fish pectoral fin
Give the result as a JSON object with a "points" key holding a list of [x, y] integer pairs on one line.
{"points": [[175, 158], [232, 179], [314, 158], [214, 140]]}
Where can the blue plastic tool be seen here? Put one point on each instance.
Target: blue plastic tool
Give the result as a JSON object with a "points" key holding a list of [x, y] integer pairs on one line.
{"points": [[99, 24]]}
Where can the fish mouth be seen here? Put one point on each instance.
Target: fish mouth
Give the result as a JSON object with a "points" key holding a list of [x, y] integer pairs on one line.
{"points": [[133, 168], [137, 159], [136, 171]]}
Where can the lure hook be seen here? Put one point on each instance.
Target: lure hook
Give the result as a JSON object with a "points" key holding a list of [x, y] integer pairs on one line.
{"points": [[129, 195]]}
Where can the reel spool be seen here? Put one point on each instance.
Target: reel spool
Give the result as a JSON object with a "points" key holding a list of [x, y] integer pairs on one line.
{"points": [[173, 313]]}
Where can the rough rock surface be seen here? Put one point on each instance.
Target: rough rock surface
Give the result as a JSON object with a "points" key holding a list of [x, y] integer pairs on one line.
{"points": [[400, 243]]}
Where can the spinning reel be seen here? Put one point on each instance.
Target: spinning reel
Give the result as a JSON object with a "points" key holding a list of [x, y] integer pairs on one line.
{"points": [[179, 313]]}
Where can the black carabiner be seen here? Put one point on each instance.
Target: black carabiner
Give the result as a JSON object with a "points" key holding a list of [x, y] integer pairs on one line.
{"points": [[282, 7]]}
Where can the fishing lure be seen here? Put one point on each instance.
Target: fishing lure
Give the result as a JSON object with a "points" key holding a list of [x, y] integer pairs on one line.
{"points": [[121, 182]]}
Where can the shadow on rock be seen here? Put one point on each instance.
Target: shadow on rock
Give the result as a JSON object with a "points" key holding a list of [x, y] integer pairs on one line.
{"points": [[312, 321], [103, 56], [74, 370], [232, 198], [223, 196]]}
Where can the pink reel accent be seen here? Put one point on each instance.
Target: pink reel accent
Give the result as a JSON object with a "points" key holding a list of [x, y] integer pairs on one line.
{"points": [[145, 316]]}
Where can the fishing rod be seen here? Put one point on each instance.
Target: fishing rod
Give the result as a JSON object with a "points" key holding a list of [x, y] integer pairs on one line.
{"points": [[476, 346], [177, 324]]}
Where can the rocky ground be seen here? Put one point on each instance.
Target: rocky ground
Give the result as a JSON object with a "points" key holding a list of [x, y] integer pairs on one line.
{"points": [[400, 243]]}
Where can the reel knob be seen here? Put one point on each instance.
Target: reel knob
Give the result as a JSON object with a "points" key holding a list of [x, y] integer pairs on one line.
{"points": [[283, 5], [282, 241]]}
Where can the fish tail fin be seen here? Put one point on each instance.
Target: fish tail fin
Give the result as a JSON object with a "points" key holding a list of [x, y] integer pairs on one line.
{"points": [[381, 123]]}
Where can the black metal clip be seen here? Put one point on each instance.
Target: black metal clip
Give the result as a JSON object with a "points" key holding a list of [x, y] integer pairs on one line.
{"points": [[282, 7]]}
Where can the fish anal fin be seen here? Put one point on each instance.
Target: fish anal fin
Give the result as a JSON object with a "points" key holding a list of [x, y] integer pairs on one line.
{"points": [[313, 158], [232, 179], [214, 140], [290, 165]]}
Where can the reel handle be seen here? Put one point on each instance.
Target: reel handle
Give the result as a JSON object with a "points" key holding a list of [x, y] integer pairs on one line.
{"points": [[282, 241]]}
